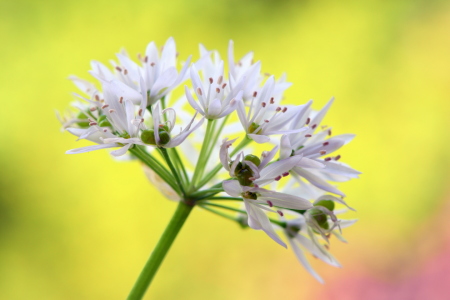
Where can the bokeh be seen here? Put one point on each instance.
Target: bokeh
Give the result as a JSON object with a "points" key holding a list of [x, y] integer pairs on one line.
{"points": [[82, 226]]}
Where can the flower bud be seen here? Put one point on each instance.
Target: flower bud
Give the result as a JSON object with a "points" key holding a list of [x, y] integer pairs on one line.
{"points": [[164, 137], [329, 204], [320, 217], [82, 116], [253, 127], [148, 137], [243, 176], [253, 158], [102, 121]]}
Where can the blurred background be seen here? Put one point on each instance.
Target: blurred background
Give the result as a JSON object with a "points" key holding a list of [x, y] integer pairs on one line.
{"points": [[82, 226]]}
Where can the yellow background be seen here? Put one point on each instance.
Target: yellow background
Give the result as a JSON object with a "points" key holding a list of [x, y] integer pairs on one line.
{"points": [[82, 226]]}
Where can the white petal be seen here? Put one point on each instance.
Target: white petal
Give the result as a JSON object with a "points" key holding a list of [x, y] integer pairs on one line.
{"points": [[260, 139], [283, 200], [285, 147], [91, 148], [232, 188], [317, 181], [302, 259], [121, 151]]}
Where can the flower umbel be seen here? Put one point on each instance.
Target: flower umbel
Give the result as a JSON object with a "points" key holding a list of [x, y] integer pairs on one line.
{"points": [[281, 169]]}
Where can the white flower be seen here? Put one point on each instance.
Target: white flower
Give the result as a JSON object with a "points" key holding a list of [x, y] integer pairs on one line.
{"points": [[160, 135], [257, 200], [265, 117], [313, 146], [216, 97]]}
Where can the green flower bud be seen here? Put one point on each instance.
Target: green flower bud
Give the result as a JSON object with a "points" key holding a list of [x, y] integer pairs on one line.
{"points": [[164, 127], [253, 127], [82, 116], [320, 217], [148, 137], [253, 158], [329, 204], [292, 230], [102, 121], [243, 176], [164, 137]]}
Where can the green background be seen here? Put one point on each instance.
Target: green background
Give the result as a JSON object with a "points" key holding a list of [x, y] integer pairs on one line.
{"points": [[82, 226]]}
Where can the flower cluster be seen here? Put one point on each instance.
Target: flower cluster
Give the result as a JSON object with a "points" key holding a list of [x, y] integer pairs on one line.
{"points": [[290, 187]]}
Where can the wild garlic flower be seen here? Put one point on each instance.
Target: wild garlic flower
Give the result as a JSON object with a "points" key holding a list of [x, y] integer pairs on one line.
{"points": [[190, 159]]}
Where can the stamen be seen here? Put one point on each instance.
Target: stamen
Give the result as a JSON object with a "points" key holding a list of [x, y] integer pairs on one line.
{"points": [[326, 144], [328, 159], [307, 121], [105, 130], [119, 69], [284, 109], [278, 109], [267, 121], [92, 108], [105, 106], [280, 213], [272, 100], [267, 74], [112, 111], [308, 135], [224, 85], [314, 126], [217, 90], [152, 64], [146, 59], [211, 80], [255, 93], [97, 97], [125, 71], [323, 152], [270, 203], [219, 81], [121, 100], [263, 104], [285, 174], [337, 157], [140, 112], [329, 131], [92, 123], [199, 91], [278, 178]]}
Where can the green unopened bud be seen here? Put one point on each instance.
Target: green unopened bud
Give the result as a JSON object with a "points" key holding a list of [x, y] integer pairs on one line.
{"points": [[320, 217], [82, 116], [164, 137], [253, 127], [164, 127], [292, 230], [243, 176], [103, 121], [329, 204], [253, 158], [148, 137]]}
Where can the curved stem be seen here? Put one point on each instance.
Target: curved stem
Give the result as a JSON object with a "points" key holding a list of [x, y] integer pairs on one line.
{"points": [[174, 171], [160, 251]]}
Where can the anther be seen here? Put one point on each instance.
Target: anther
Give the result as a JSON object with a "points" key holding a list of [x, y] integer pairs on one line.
{"points": [[308, 135], [217, 90], [211, 80], [267, 121], [329, 131], [92, 108], [284, 109], [285, 174], [263, 104], [326, 144], [278, 109], [152, 64], [105, 130], [272, 100], [105, 106], [125, 71], [119, 69], [92, 123], [280, 212], [199, 91], [140, 112], [146, 58], [323, 152], [121, 100], [224, 85], [112, 110], [337, 157], [307, 121], [328, 159], [255, 93], [278, 178], [219, 81], [267, 74], [97, 97], [314, 126], [270, 203]]}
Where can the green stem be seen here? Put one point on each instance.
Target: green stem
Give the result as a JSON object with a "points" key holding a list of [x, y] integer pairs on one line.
{"points": [[180, 164], [219, 213], [156, 166], [225, 198], [160, 251], [174, 171], [202, 158]]}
